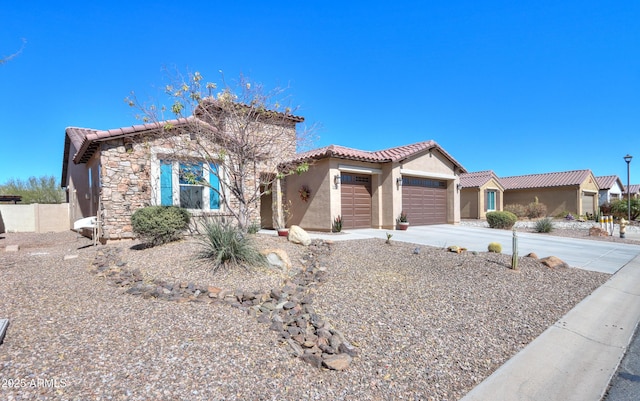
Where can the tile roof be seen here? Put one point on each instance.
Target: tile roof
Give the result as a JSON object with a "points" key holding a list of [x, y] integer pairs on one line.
{"points": [[478, 179], [606, 181], [633, 188], [86, 140], [558, 179], [395, 154]]}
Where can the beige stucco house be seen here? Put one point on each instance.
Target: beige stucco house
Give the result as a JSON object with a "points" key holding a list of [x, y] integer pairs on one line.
{"points": [[567, 191], [110, 174], [480, 192], [371, 189]]}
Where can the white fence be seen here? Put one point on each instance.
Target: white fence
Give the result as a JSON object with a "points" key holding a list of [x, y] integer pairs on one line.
{"points": [[35, 217]]}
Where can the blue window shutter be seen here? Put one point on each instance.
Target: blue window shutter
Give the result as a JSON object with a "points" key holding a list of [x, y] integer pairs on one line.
{"points": [[214, 196], [166, 187]]}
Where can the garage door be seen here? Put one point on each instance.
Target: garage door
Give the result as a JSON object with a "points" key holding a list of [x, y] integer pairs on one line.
{"points": [[356, 200], [424, 200], [587, 202]]}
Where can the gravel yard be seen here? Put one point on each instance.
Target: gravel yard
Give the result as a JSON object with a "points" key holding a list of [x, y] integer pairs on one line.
{"points": [[428, 326]]}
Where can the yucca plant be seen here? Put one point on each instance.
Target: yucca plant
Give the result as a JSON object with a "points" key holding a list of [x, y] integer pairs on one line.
{"points": [[224, 244], [544, 225]]}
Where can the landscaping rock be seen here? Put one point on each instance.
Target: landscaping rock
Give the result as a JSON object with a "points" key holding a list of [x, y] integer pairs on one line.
{"points": [[298, 235], [278, 258], [287, 310], [532, 255], [596, 231], [12, 248], [337, 362], [553, 262]]}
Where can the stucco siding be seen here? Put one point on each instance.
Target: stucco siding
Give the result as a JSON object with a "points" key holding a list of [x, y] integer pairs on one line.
{"points": [[315, 214], [469, 204], [557, 200], [433, 162]]}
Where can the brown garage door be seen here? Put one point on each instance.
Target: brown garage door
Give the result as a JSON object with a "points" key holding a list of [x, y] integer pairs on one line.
{"points": [[356, 200], [424, 200], [587, 203]]}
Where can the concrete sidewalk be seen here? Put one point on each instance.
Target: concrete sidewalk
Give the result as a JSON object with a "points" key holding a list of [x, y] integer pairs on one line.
{"points": [[575, 358]]}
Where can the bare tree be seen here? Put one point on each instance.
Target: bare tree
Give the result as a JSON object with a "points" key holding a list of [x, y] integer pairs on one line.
{"points": [[4, 59], [243, 131]]}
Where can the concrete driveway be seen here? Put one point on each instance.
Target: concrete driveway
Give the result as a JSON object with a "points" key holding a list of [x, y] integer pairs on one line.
{"points": [[601, 256]]}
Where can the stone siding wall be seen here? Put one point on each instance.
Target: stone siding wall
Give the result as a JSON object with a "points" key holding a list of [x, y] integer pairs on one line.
{"points": [[126, 186], [125, 176]]}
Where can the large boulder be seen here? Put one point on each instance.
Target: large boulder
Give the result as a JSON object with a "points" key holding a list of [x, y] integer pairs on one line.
{"points": [[298, 235]]}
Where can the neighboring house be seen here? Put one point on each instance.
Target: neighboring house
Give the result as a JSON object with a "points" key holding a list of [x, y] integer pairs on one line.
{"points": [[110, 174], [566, 191], [611, 188], [634, 191], [480, 192], [371, 189]]}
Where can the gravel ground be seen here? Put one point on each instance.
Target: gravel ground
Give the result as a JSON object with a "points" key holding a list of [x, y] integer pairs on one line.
{"points": [[429, 326]]}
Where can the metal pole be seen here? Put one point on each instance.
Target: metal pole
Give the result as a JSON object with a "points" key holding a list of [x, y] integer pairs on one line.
{"points": [[627, 159], [514, 255]]}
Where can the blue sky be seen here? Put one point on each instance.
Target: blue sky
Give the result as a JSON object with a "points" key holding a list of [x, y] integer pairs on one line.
{"points": [[516, 87]]}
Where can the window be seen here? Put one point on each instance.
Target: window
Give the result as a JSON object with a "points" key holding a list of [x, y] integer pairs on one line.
{"points": [[191, 185], [491, 200]]}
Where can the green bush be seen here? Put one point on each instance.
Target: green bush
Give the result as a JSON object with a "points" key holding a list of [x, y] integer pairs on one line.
{"points": [[495, 247], [157, 225], [225, 244], [504, 220], [619, 208], [517, 209], [544, 225]]}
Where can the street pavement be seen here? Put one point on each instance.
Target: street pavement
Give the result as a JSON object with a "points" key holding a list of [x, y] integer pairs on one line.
{"points": [[625, 385], [581, 356]]}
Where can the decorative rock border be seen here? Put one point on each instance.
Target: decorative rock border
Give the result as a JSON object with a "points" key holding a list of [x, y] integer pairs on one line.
{"points": [[289, 310]]}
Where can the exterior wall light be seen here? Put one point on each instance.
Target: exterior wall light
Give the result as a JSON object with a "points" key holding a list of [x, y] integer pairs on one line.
{"points": [[399, 181], [336, 180]]}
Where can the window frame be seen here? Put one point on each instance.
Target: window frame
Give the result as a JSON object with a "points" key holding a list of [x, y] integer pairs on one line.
{"points": [[159, 196], [491, 200]]}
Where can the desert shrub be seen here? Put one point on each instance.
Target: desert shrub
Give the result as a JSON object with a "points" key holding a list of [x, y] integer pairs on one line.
{"points": [[495, 247], [517, 209], [501, 219], [158, 225], [535, 210], [619, 208], [566, 215], [544, 225], [253, 228], [605, 209], [225, 244]]}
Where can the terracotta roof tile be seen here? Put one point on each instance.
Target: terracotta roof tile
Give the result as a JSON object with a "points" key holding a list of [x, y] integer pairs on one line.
{"points": [[381, 156], [633, 188], [606, 181], [558, 179], [478, 179]]}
